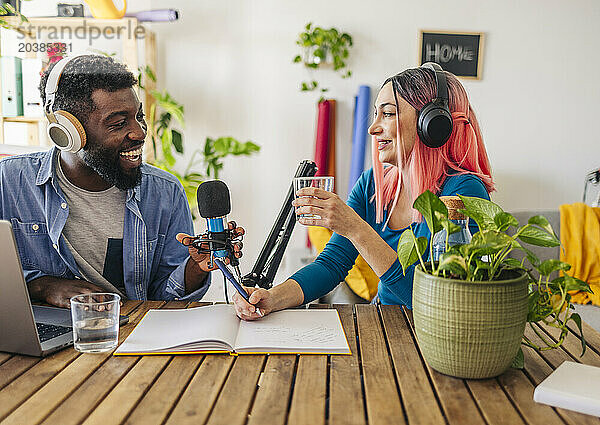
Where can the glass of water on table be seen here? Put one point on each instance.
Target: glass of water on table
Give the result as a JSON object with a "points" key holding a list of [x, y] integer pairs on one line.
{"points": [[95, 322], [323, 182]]}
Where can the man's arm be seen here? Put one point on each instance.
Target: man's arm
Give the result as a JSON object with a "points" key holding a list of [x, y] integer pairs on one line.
{"points": [[58, 291], [195, 277]]}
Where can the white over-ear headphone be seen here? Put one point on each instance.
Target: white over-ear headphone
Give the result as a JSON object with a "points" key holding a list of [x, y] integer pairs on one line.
{"points": [[65, 131]]}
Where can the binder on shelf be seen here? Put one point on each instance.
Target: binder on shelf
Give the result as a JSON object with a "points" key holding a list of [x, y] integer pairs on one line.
{"points": [[32, 101], [12, 86]]}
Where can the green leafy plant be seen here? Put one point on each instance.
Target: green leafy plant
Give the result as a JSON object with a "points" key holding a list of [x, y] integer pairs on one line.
{"points": [[167, 142], [8, 9], [486, 258], [323, 46]]}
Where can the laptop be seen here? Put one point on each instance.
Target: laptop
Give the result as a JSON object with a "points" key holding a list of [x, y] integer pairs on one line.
{"points": [[28, 329]]}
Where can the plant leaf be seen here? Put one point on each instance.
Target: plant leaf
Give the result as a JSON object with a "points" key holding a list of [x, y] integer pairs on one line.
{"points": [[519, 360], [177, 141], [407, 251], [447, 224], [481, 210], [486, 242], [569, 283], [504, 220], [453, 263], [539, 237], [427, 203], [552, 265], [541, 221], [577, 319]]}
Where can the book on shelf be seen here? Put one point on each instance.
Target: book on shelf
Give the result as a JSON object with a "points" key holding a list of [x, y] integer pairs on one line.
{"points": [[12, 86], [572, 386], [217, 329]]}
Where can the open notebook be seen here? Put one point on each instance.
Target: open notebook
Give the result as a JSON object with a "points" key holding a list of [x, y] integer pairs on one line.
{"points": [[217, 329], [572, 386]]}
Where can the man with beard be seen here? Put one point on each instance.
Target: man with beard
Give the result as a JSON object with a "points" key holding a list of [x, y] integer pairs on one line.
{"points": [[95, 218]]}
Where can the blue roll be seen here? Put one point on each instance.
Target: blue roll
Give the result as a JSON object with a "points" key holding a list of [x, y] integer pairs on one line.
{"points": [[359, 134]]}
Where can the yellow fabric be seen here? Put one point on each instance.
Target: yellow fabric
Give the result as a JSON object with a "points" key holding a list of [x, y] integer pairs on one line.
{"points": [[361, 279], [580, 239]]}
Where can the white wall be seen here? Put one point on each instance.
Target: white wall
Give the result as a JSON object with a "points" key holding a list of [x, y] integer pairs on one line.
{"points": [[229, 63]]}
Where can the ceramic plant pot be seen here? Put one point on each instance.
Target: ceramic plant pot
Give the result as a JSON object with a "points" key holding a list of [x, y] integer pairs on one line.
{"points": [[469, 329]]}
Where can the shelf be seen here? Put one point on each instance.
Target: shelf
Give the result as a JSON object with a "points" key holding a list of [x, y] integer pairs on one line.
{"points": [[72, 22], [29, 120]]}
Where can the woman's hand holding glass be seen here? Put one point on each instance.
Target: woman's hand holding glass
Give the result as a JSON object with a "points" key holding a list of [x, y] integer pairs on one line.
{"points": [[333, 212]]}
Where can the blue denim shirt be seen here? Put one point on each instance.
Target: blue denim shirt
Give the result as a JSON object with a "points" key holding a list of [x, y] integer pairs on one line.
{"points": [[156, 210]]}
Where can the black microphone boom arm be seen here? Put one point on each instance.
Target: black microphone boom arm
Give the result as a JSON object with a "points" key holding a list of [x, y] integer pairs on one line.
{"points": [[272, 252]]}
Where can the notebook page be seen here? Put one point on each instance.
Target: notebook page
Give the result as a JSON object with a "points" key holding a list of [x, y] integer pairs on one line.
{"points": [[294, 331], [165, 330]]}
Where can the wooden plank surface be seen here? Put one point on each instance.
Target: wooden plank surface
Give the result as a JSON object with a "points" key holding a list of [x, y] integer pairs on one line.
{"points": [[273, 395], [494, 404], [20, 389], [346, 396], [4, 357], [381, 393], [520, 390], [164, 393], [455, 398], [237, 391], [415, 389], [15, 366], [46, 399], [310, 391]]}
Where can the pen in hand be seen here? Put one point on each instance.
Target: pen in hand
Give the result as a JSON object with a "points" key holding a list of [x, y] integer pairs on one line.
{"points": [[235, 283]]}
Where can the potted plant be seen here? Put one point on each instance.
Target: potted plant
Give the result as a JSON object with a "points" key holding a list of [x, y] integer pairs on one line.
{"points": [[323, 46], [471, 307]]}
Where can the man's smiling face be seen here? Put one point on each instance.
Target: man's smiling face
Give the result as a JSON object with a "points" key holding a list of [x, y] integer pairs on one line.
{"points": [[115, 136]]}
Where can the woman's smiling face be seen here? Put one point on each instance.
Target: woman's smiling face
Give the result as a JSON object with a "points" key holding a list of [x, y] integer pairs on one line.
{"points": [[385, 124]]}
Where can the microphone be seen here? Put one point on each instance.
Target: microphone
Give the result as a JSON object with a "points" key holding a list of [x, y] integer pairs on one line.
{"points": [[214, 204]]}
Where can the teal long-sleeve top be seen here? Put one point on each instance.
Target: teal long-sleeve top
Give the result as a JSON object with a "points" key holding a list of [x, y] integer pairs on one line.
{"points": [[335, 261]]}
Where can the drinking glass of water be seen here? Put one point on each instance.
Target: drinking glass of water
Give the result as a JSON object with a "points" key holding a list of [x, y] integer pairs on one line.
{"points": [[324, 182], [95, 322]]}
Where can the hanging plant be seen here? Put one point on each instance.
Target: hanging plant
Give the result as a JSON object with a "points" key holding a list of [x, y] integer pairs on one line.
{"points": [[323, 47]]}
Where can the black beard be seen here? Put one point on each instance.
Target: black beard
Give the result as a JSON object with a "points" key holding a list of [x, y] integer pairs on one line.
{"points": [[105, 162]]}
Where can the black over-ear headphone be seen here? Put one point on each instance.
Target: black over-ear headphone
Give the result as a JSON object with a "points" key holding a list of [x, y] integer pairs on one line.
{"points": [[434, 124]]}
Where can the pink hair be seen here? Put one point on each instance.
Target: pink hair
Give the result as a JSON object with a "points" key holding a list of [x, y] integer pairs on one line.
{"points": [[427, 168]]}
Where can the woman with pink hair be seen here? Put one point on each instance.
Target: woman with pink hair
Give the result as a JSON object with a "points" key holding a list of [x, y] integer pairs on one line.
{"points": [[379, 208]]}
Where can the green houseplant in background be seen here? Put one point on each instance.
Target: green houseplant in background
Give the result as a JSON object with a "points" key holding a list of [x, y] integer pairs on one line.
{"points": [[167, 141], [471, 307], [323, 46]]}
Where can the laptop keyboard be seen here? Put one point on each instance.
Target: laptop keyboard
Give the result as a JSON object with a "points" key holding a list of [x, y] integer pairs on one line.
{"points": [[47, 332]]}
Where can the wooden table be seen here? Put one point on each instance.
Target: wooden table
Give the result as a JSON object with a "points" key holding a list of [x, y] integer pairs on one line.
{"points": [[385, 381]]}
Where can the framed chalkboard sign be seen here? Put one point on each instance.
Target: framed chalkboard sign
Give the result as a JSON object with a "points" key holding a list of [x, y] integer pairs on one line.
{"points": [[460, 53]]}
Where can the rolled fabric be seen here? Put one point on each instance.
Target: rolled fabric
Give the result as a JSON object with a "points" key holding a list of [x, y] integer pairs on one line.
{"points": [[359, 134], [160, 15], [322, 141], [331, 168]]}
